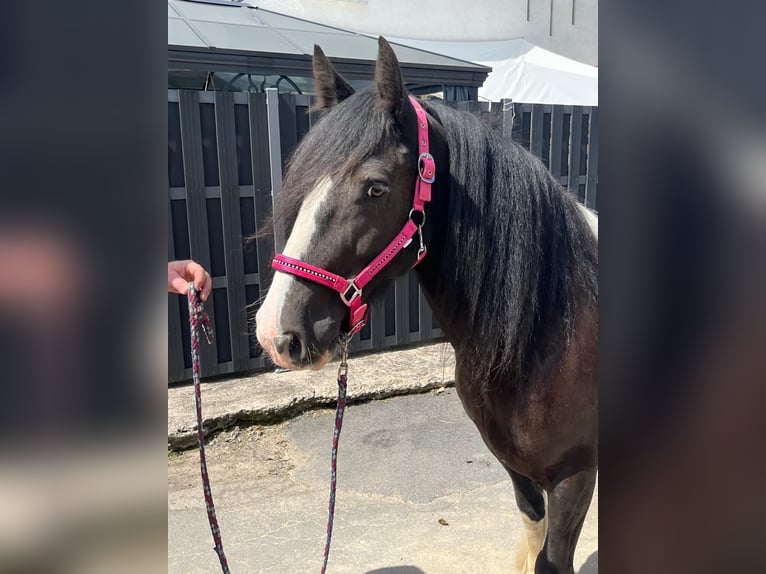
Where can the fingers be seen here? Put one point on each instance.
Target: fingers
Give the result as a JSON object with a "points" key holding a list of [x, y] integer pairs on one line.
{"points": [[178, 285], [202, 281], [181, 272], [176, 281]]}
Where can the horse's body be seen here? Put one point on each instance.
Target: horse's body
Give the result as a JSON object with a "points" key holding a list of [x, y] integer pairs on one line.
{"points": [[510, 274]]}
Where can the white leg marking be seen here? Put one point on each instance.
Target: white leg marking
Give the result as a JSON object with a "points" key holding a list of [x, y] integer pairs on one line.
{"points": [[591, 217], [531, 543]]}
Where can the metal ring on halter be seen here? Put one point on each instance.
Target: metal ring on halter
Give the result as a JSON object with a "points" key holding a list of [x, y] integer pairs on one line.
{"points": [[357, 292], [422, 213], [425, 159]]}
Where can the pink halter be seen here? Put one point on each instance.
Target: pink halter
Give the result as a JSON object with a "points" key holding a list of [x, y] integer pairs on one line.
{"points": [[350, 290]]}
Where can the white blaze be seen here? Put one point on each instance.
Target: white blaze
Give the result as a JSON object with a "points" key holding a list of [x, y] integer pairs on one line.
{"points": [[302, 236]]}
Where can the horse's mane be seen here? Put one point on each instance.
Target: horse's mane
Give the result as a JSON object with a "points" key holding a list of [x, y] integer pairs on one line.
{"points": [[523, 257]]}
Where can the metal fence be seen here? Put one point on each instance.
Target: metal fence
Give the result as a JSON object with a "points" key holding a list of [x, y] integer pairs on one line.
{"points": [[225, 156]]}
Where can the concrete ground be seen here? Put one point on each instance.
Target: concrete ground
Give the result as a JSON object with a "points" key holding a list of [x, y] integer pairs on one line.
{"points": [[418, 493]]}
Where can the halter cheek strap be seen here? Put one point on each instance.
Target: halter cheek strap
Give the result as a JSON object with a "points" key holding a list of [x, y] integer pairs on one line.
{"points": [[350, 290]]}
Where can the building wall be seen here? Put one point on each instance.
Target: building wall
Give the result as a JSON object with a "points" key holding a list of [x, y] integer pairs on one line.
{"points": [[546, 23]]}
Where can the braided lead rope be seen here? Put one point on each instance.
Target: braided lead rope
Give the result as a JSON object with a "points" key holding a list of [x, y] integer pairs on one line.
{"points": [[340, 409], [198, 319]]}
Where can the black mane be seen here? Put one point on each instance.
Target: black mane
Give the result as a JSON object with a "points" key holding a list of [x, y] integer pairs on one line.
{"points": [[524, 258]]}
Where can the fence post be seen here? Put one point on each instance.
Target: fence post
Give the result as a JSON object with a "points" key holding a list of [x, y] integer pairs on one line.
{"points": [[508, 116]]}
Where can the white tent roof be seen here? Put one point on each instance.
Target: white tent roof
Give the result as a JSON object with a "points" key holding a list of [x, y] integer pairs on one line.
{"points": [[522, 71]]}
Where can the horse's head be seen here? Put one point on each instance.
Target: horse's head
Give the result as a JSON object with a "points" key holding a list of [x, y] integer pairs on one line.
{"points": [[346, 193]]}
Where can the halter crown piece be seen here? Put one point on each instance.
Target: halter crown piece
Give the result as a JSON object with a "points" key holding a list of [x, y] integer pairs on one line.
{"points": [[350, 290]]}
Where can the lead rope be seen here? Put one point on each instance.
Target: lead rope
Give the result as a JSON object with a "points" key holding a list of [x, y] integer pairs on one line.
{"points": [[339, 410], [198, 319]]}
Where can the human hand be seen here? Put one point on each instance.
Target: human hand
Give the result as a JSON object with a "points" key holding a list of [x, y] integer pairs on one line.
{"points": [[181, 272]]}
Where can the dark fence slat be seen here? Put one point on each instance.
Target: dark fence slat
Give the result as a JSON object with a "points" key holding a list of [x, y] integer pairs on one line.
{"points": [[575, 134], [426, 318], [413, 308], [402, 310], [591, 184], [378, 324], [196, 206], [288, 126], [557, 129], [232, 228], [176, 367], [536, 131]]}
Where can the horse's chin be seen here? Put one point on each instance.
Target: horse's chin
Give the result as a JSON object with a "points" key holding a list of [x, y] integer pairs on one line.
{"points": [[317, 364]]}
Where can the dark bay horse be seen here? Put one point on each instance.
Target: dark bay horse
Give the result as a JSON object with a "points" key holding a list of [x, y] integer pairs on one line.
{"points": [[510, 272]]}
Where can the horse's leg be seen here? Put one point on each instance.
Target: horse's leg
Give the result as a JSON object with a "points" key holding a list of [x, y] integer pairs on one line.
{"points": [[531, 503], [568, 504]]}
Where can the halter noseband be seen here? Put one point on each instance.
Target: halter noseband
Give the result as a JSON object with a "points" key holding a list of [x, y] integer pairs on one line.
{"points": [[350, 290]]}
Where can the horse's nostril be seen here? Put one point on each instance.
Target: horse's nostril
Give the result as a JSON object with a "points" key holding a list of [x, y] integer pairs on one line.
{"points": [[295, 348], [282, 343], [289, 343]]}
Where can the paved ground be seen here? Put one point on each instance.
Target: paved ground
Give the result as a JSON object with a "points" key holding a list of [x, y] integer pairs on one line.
{"points": [[405, 464]]}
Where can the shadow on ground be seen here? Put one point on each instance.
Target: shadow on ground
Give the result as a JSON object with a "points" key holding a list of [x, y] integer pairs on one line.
{"points": [[590, 566], [397, 570]]}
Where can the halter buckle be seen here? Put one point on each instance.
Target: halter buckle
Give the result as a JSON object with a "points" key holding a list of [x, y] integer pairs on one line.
{"points": [[427, 167], [356, 292]]}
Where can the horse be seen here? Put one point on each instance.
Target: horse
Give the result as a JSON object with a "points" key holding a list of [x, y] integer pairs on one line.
{"points": [[507, 260]]}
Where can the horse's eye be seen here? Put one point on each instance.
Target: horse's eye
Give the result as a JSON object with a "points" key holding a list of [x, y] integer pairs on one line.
{"points": [[376, 190]]}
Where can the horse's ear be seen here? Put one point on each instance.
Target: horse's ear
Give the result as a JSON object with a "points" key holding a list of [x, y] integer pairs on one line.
{"points": [[331, 88], [388, 79]]}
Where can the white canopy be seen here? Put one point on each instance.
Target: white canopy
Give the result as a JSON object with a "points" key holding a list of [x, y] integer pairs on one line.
{"points": [[522, 71]]}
